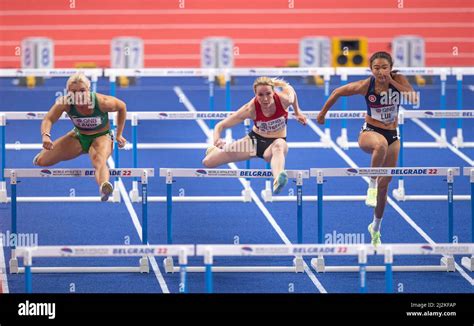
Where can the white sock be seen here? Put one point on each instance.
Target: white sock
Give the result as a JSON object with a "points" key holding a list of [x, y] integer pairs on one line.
{"points": [[376, 224], [373, 183]]}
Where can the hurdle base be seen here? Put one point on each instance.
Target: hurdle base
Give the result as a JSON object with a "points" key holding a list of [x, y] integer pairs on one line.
{"points": [[458, 141], [468, 145], [399, 194], [239, 269], [442, 140], [134, 193], [298, 267], [342, 140], [116, 193], [267, 195], [325, 139], [3, 192], [344, 144], [281, 198], [405, 197], [446, 265], [468, 263], [298, 263], [13, 264], [247, 195], [194, 199], [144, 266], [111, 269], [61, 199], [168, 265]]}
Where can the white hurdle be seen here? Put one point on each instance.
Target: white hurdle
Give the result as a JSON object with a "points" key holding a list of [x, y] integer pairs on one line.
{"points": [[210, 251], [400, 192], [144, 251], [172, 174], [359, 250], [15, 174], [447, 262]]}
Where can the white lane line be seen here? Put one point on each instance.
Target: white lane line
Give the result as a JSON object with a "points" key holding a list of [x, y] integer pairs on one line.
{"points": [[433, 134], [3, 270], [138, 227], [184, 99]]}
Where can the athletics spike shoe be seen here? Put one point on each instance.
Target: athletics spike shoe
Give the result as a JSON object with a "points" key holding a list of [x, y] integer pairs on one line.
{"points": [[375, 236], [106, 190], [280, 182], [371, 199]]}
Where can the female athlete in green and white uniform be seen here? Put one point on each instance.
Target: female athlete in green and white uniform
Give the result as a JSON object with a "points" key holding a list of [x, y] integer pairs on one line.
{"points": [[88, 112]]}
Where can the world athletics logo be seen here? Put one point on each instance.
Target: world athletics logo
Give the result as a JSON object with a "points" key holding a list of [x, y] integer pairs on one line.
{"points": [[67, 251], [46, 172], [425, 249], [201, 173], [246, 250], [352, 172]]}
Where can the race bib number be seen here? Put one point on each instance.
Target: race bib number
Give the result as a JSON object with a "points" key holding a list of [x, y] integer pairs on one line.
{"points": [[87, 122], [385, 114], [272, 125]]}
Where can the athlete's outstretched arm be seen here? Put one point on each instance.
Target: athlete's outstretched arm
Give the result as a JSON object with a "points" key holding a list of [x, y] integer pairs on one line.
{"points": [[354, 88], [247, 111]]}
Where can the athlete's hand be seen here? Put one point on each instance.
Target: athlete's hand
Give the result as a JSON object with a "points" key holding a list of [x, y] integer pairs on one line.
{"points": [[219, 143], [301, 119], [121, 141], [321, 118], [47, 143]]}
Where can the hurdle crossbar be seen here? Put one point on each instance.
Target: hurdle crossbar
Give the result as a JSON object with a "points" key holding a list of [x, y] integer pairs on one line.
{"points": [[74, 173], [447, 263], [143, 251], [46, 72], [70, 173], [15, 174]]}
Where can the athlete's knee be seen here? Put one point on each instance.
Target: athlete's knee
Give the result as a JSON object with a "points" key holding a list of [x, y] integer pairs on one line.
{"points": [[279, 145], [39, 160], [98, 159], [383, 182], [380, 148], [208, 163]]}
